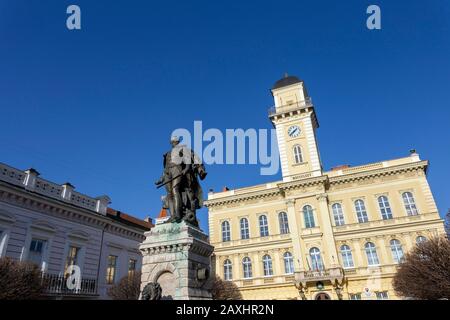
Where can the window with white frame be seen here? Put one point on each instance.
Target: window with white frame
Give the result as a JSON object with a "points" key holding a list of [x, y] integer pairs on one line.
{"points": [[111, 269], [283, 221], [338, 214], [347, 258], [397, 250], [263, 226], [227, 270], [36, 251], [298, 157], [410, 204], [226, 232], [247, 267], [288, 263], [267, 265], [382, 295], [308, 216], [316, 259], [245, 233], [361, 211], [385, 207], [371, 253]]}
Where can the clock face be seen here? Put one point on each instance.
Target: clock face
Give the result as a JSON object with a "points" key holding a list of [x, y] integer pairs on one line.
{"points": [[294, 131]]}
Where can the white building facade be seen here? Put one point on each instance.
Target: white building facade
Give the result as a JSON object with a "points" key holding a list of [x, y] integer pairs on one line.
{"points": [[56, 227]]}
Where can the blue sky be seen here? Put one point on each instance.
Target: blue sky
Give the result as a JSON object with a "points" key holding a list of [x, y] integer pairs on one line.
{"points": [[90, 106]]}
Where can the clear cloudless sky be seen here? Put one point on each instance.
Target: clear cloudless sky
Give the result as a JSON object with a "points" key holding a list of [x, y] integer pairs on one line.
{"points": [[96, 107]]}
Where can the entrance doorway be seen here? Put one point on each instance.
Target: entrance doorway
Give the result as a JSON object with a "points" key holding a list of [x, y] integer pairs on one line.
{"points": [[322, 296]]}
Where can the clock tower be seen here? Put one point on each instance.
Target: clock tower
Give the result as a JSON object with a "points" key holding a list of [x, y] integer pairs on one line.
{"points": [[295, 122]]}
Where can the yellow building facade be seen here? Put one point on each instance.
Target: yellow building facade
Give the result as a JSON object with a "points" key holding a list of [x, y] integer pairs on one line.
{"points": [[317, 234]]}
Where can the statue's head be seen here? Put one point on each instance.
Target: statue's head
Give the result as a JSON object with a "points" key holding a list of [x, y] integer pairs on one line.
{"points": [[174, 140]]}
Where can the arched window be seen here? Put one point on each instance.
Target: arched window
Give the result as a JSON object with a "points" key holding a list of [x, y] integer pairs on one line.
{"points": [[288, 263], [308, 216], [247, 267], [420, 239], [227, 270], [263, 226], [347, 258], [316, 259], [385, 208], [298, 157], [397, 251], [371, 253], [361, 212], [338, 214], [245, 234], [267, 265], [410, 204], [226, 233], [284, 224]]}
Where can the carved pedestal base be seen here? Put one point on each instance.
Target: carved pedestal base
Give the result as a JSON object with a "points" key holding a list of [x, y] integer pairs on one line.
{"points": [[177, 256]]}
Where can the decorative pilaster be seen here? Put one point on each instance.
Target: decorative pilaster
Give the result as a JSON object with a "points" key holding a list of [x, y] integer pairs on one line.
{"points": [[327, 229], [295, 235]]}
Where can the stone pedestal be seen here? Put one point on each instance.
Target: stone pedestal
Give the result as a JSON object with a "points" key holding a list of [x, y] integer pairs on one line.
{"points": [[177, 256]]}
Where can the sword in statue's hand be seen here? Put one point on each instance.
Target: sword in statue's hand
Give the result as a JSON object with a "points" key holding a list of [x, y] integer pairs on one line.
{"points": [[168, 181]]}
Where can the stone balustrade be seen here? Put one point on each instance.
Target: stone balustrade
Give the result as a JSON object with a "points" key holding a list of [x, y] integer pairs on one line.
{"points": [[30, 180]]}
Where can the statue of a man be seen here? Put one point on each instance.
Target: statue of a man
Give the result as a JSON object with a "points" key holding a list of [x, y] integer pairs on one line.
{"points": [[184, 194]]}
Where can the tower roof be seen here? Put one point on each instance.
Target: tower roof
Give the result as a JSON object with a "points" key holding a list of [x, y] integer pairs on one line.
{"points": [[286, 81]]}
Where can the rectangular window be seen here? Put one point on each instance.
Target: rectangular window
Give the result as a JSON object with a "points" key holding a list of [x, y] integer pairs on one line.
{"points": [[131, 268], [111, 269], [355, 296], [382, 295], [72, 257], [36, 251]]}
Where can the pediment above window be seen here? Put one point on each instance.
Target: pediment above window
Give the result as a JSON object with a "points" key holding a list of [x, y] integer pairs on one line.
{"points": [[79, 235], [43, 226]]}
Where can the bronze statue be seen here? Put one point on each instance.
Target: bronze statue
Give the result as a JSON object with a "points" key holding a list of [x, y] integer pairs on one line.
{"points": [[182, 168], [152, 291]]}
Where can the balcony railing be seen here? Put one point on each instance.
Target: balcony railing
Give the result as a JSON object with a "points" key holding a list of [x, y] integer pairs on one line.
{"points": [[332, 274], [291, 107], [57, 285]]}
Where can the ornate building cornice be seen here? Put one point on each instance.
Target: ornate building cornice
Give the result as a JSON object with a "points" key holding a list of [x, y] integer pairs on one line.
{"points": [[297, 184], [255, 195], [392, 170], [325, 180]]}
